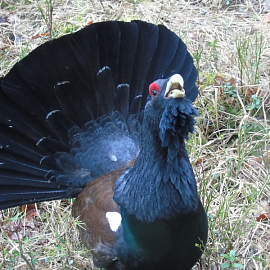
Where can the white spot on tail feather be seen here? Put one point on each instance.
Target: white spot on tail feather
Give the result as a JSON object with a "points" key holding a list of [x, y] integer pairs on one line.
{"points": [[50, 113], [113, 157], [63, 82], [114, 220]]}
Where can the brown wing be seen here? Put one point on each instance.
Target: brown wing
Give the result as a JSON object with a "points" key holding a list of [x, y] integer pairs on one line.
{"points": [[91, 206]]}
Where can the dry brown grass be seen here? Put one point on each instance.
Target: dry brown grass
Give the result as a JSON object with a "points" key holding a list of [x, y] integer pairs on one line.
{"points": [[230, 149]]}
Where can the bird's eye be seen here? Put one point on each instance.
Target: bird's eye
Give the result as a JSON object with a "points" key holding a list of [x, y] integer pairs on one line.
{"points": [[154, 92], [154, 89]]}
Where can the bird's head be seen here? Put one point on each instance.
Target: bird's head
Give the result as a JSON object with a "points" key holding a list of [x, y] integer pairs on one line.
{"points": [[168, 109]]}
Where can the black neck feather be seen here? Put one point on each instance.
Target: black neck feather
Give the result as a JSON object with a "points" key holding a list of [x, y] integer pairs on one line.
{"points": [[161, 184]]}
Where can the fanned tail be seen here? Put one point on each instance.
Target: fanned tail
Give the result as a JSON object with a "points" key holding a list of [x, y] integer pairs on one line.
{"points": [[71, 109]]}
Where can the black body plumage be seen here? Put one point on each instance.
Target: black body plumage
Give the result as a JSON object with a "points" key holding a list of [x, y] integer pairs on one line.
{"points": [[78, 107]]}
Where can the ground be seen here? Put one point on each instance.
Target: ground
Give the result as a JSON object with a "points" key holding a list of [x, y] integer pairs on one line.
{"points": [[230, 42]]}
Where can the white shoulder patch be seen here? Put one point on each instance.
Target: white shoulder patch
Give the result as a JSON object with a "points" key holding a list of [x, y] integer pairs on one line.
{"points": [[114, 220]]}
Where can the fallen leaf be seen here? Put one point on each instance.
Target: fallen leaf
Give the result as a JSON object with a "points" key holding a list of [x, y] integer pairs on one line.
{"points": [[198, 161], [255, 162], [223, 83], [23, 225], [218, 80], [266, 18], [230, 100], [262, 218], [252, 90], [46, 34]]}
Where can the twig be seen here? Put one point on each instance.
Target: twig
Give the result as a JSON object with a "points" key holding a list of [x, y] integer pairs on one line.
{"points": [[50, 20], [101, 4], [21, 251], [241, 102]]}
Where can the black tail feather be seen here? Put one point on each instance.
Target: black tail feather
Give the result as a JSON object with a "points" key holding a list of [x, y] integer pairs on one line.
{"points": [[61, 124], [192, 90], [13, 142], [50, 145], [106, 89], [14, 178], [164, 54], [147, 43], [13, 116], [17, 86], [109, 55], [122, 100], [70, 104], [26, 197], [129, 42], [136, 104], [17, 163]]}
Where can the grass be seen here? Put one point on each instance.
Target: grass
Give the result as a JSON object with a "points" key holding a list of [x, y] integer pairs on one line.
{"points": [[249, 51], [229, 150], [47, 14]]}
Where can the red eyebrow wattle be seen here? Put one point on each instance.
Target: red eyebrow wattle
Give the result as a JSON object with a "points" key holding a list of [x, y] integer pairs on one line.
{"points": [[153, 86]]}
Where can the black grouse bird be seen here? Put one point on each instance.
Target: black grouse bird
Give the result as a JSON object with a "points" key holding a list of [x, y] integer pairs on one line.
{"points": [[103, 115]]}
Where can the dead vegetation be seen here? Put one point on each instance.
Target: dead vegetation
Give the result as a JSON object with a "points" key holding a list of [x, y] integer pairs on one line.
{"points": [[230, 149]]}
